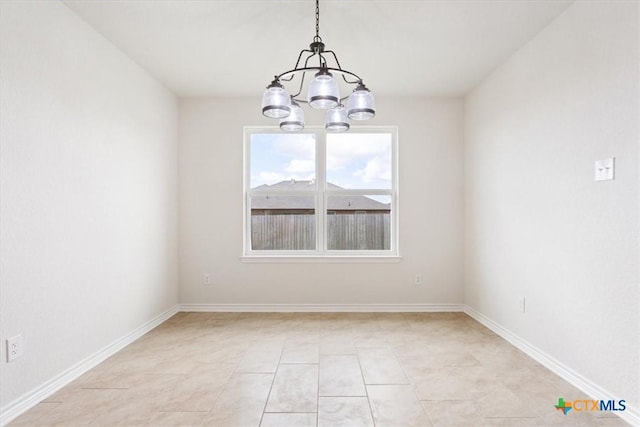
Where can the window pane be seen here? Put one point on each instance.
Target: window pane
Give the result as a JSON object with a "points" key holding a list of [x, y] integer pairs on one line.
{"points": [[359, 222], [282, 161], [283, 223], [359, 160]]}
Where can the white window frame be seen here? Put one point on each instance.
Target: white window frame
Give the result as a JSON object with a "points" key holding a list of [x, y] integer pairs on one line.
{"points": [[320, 192]]}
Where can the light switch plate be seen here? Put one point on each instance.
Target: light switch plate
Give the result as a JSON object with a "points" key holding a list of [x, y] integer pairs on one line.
{"points": [[605, 169]]}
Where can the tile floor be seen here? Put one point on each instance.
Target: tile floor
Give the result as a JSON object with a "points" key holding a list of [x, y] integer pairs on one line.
{"points": [[316, 369]]}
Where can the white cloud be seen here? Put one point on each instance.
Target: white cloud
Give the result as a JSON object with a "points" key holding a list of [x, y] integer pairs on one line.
{"points": [[291, 157], [377, 169], [300, 166], [344, 150], [300, 147]]}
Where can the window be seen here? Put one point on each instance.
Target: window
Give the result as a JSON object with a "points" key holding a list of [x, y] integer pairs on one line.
{"points": [[318, 194]]}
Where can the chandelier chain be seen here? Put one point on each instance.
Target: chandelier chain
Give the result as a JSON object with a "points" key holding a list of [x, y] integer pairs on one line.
{"points": [[317, 37]]}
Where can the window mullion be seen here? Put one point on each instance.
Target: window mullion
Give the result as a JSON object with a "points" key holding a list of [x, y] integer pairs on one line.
{"points": [[321, 176]]}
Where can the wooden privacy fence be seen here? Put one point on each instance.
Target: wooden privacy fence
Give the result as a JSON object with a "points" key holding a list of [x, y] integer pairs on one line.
{"points": [[370, 231]]}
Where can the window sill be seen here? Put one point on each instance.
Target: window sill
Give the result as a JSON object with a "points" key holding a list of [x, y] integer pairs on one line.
{"points": [[327, 259]]}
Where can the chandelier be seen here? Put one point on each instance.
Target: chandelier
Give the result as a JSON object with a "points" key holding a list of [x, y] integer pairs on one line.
{"points": [[323, 92]]}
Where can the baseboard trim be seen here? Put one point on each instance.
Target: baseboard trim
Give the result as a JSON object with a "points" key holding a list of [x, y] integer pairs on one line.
{"points": [[322, 308], [32, 398], [630, 415]]}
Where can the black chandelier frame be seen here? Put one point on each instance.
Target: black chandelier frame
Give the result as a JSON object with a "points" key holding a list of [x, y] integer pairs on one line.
{"points": [[317, 48], [323, 92]]}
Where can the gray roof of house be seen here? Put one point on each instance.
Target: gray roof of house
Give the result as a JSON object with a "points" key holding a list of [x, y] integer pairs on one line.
{"points": [[338, 203]]}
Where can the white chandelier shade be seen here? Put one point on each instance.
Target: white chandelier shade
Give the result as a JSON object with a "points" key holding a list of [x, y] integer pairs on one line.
{"points": [[276, 102], [322, 90], [361, 104], [295, 120], [336, 119]]}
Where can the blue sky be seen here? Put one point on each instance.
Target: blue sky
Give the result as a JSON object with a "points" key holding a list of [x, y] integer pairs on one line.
{"points": [[358, 161]]}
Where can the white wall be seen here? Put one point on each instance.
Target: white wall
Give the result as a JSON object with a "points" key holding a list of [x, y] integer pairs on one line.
{"points": [[537, 225], [89, 193], [210, 170]]}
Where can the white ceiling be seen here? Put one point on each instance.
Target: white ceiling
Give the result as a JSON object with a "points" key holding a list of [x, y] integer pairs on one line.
{"points": [[399, 47]]}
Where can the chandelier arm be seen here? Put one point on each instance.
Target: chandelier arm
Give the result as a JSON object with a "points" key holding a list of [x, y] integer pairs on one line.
{"points": [[285, 76], [334, 57], [306, 61], [322, 60], [301, 84], [300, 57], [288, 79], [352, 82]]}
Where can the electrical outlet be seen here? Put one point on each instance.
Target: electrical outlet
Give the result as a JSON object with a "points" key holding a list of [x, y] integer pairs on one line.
{"points": [[417, 280], [206, 279], [14, 348], [605, 169], [522, 305]]}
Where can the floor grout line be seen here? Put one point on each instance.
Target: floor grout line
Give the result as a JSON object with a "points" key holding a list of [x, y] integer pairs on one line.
{"points": [[273, 380], [366, 390]]}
